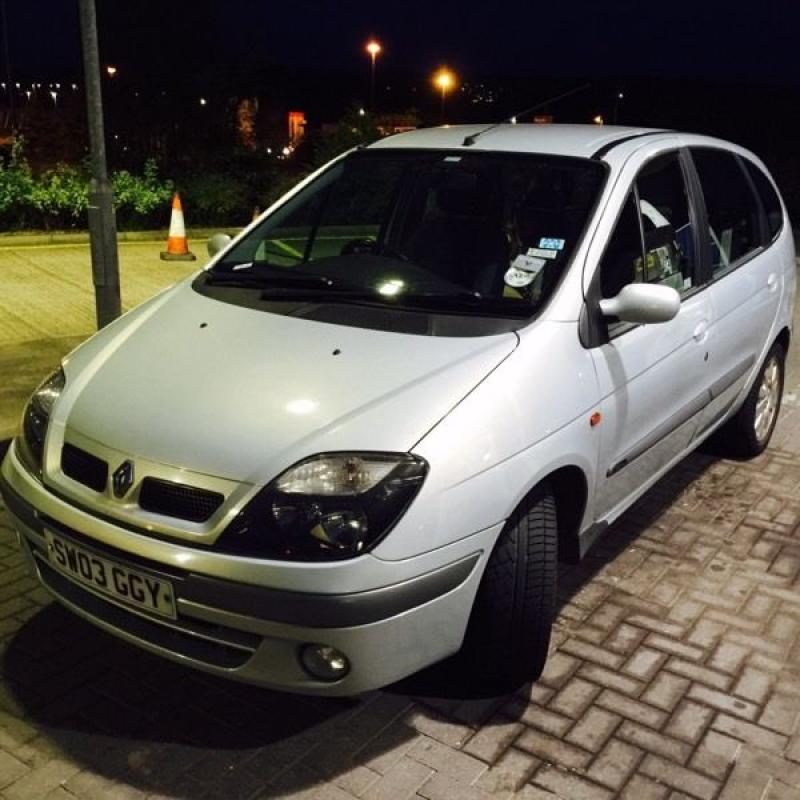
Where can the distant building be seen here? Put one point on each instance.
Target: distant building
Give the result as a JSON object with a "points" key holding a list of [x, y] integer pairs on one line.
{"points": [[389, 124], [297, 127]]}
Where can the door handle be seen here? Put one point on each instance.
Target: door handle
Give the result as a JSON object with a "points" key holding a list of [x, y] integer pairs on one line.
{"points": [[700, 331], [772, 282]]}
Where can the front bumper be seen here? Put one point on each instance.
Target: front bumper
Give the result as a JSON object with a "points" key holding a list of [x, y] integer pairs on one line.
{"points": [[246, 618]]}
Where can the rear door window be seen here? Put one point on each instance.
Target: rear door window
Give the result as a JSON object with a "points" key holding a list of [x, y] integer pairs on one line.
{"points": [[769, 198], [731, 207]]}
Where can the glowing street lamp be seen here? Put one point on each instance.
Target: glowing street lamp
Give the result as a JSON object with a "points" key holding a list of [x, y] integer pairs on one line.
{"points": [[373, 48], [445, 81], [111, 70]]}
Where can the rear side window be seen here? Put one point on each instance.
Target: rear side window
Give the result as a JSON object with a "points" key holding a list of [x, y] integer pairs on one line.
{"points": [[769, 198], [732, 208]]}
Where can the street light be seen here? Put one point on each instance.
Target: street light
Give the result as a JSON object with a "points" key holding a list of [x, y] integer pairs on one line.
{"points": [[445, 81], [112, 71], [373, 48]]}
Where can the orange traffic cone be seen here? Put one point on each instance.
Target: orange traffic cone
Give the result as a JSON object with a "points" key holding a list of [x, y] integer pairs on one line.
{"points": [[177, 243]]}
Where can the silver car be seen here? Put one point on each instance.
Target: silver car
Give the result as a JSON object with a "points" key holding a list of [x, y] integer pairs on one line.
{"points": [[359, 441]]}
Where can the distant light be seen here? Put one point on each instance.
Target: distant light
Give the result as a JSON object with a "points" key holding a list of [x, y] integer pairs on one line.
{"points": [[391, 287], [3, 86], [620, 96], [112, 71], [17, 85], [598, 119], [287, 151], [58, 86], [373, 48], [203, 101], [28, 92], [74, 87], [269, 150], [54, 95], [116, 136], [361, 112], [513, 120], [444, 79]]}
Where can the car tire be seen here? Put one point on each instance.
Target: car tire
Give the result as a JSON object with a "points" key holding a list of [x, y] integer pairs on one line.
{"points": [[747, 433], [509, 630]]}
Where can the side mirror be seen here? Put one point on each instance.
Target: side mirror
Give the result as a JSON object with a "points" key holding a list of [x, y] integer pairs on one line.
{"points": [[219, 241], [643, 302]]}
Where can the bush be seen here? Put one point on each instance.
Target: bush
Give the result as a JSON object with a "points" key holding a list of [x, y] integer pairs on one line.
{"points": [[61, 196], [141, 200], [16, 185], [216, 198]]}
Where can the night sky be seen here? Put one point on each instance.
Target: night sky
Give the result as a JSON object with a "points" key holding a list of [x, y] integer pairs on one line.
{"points": [[722, 41]]}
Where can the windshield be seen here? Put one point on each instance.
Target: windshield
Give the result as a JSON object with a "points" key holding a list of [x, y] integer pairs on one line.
{"points": [[466, 233]]}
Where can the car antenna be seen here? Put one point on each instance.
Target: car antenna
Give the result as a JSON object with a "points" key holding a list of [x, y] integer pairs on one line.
{"points": [[473, 137]]}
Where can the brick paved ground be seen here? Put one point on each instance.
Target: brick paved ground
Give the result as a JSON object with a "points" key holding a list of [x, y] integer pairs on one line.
{"points": [[675, 674]]}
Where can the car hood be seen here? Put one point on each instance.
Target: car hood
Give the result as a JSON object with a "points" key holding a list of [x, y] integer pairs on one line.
{"points": [[242, 394]]}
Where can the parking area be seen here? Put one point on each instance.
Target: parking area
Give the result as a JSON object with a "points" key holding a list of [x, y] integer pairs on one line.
{"points": [[674, 673]]}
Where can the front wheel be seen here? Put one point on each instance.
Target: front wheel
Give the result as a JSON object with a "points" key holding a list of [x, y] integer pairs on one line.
{"points": [[509, 631], [747, 433]]}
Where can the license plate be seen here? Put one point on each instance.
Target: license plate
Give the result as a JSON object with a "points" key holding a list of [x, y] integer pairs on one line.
{"points": [[132, 587]]}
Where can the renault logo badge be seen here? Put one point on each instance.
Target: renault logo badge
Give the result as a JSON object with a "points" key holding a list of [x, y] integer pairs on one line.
{"points": [[122, 480]]}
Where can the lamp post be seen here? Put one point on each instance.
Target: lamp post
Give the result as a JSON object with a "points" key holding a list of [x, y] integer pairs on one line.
{"points": [[373, 48], [444, 80], [102, 223], [620, 96]]}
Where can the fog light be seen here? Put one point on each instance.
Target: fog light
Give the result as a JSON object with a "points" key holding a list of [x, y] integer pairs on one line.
{"points": [[324, 662]]}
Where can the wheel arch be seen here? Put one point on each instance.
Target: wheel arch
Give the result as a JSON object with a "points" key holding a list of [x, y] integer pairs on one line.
{"points": [[784, 338], [571, 489]]}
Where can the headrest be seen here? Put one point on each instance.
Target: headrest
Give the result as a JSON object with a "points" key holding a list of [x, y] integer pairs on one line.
{"points": [[461, 193]]}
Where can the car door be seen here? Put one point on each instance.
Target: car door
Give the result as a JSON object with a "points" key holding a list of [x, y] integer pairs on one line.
{"points": [[653, 378], [746, 273]]}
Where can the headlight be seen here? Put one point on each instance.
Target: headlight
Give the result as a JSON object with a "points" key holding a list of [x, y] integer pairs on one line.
{"points": [[36, 418], [331, 506]]}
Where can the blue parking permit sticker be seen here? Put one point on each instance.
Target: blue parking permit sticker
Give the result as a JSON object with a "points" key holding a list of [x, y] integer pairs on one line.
{"points": [[551, 244]]}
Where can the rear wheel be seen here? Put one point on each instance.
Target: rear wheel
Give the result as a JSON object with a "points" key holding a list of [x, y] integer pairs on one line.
{"points": [[509, 630], [747, 434]]}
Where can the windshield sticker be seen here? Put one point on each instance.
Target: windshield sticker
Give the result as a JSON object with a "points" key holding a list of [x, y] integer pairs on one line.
{"points": [[552, 244], [540, 252], [519, 277], [528, 263]]}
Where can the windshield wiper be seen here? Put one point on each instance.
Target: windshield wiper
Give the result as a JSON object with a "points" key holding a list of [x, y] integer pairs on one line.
{"points": [[333, 292], [465, 302], [277, 278]]}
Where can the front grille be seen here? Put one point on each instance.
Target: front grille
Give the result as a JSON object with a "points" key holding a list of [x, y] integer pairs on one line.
{"points": [[177, 500], [84, 468]]}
